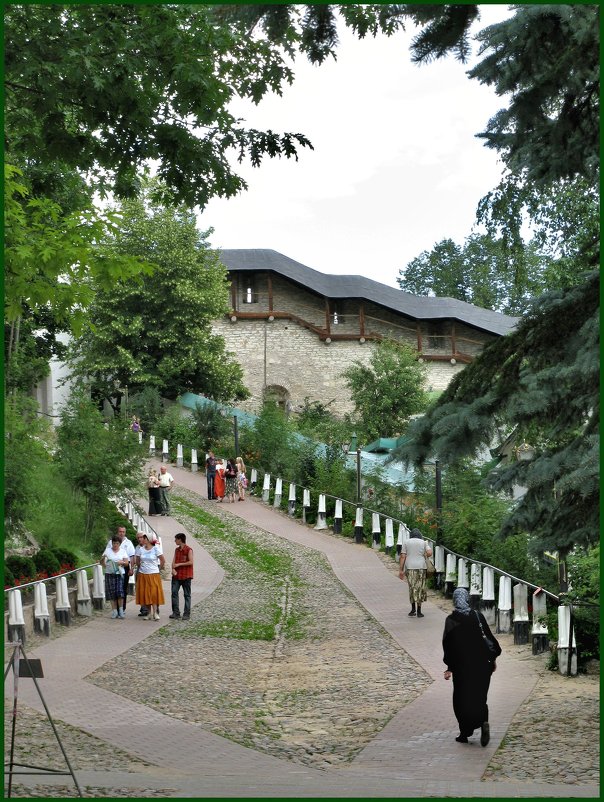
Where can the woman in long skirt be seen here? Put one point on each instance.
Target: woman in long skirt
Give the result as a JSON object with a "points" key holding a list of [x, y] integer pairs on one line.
{"points": [[114, 560], [149, 590], [471, 663]]}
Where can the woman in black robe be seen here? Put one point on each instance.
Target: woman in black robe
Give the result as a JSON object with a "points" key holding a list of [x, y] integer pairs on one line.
{"points": [[471, 662]]}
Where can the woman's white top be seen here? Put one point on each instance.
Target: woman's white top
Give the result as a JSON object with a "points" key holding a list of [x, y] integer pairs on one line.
{"points": [[112, 558], [415, 550], [149, 558]]}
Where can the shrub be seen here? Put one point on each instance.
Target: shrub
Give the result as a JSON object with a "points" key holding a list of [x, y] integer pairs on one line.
{"points": [[9, 579], [23, 568], [46, 561], [67, 559]]}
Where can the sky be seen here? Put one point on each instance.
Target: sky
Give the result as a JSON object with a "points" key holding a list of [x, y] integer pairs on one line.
{"points": [[396, 165]]}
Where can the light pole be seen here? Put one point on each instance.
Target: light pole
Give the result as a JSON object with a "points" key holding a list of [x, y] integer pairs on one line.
{"points": [[236, 433], [439, 501]]}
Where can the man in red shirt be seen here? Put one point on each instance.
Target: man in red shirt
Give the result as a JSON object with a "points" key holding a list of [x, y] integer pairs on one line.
{"points": [[182, 574]]}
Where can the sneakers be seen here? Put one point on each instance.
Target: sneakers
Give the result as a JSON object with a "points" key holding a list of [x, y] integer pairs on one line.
{"points": [[412, 612], [114, 614], [461, 739], [485, 733], [186, 617], [156, 617], [420, 614], [173, 615], [146, 617], [142, 613], [121, 614]]}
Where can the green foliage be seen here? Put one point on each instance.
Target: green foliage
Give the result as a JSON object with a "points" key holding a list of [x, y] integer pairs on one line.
{"points": [[9, 578], [175, 427], [105, 89], [24, 448], [23, 569], [486, 272], [584, 585], [148, 406], [156, 331], [210, 427], [316, 421], [268, 445], [98, 462], [67, 558], [46, 561], [387, 391], [240, 630]]}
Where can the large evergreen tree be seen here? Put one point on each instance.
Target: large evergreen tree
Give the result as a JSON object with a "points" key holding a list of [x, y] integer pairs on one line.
{"points": [[540, 381]]}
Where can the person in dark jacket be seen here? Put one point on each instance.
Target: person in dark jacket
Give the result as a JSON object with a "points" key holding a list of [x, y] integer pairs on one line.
{"points": [[471, 662]]}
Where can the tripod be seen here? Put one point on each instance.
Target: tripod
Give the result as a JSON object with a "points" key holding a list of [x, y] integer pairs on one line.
{"points": [[31, 669]]}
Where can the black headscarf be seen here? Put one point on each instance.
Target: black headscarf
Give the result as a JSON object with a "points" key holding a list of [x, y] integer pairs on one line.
{"points": [[416, 533]]}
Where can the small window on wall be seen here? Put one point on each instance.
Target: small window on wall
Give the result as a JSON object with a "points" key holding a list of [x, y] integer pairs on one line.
{"points": [[250, 296]]}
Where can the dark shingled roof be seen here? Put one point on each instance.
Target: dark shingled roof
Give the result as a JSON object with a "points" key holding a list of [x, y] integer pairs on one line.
{"points": [[333, 286]]}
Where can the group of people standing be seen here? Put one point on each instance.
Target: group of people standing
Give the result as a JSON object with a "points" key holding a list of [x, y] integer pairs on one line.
{"points": [[159, 486], [225, 480], [122, 560], [470, 649]]}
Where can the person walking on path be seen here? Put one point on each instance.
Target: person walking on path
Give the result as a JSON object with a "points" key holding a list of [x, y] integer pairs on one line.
{"points": [[413, 566], [470, 650], [211, 474], [114, 560], [182, 574], [128, 547], [149, 590], [166, 480], [230, 475], [219, 483], [241, 478]]}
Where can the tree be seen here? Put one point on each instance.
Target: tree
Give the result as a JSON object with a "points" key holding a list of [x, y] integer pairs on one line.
{"points": [[484, 271], [98, 461], [105, 89], [540, 381], [387, 391], [156, 330]]}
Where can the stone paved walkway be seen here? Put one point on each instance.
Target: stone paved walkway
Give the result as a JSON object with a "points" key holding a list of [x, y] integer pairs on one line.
{"points": [[414, 755]]}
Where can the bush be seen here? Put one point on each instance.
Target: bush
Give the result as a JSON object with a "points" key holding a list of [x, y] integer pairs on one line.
{"points": [[47, 562], [23, 569], [67, 559], [9, 579]]}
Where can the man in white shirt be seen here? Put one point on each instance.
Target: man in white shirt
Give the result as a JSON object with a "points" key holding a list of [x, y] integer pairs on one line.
{"points": [[166, 480], [126, 546]]}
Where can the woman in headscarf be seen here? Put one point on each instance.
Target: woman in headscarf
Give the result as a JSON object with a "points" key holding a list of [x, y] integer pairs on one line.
{"points": [[471, 662], [413, 567]]}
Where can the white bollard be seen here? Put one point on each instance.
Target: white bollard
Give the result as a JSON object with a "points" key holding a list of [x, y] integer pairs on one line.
{"points": [[521, 616], [84, 605], [389, 535], [539, 633], [567, 645], [16, 622], [62, 606], [41, 614], [179, 455], [164, 451], [266, 487], [504, 604], [487, 605], [194, 464], [151, 445], [291, 501], [475, 586], [439, 559], [305, 503], [98, 587], [278, 492], [140, 438], [450, 575], [321, 513], [337, 517], [462, 573], [376, 530], [403, 536], [358, 526]]}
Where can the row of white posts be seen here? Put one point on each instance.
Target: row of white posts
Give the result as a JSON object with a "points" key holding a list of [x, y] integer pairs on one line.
{"points": [[84, 602]]}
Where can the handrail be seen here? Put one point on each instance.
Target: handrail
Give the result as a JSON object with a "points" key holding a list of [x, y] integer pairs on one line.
{"points": [[50, 578]]}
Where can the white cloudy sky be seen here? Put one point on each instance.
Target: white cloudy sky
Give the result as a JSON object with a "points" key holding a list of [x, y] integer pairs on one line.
{"points": [[395, 168]]}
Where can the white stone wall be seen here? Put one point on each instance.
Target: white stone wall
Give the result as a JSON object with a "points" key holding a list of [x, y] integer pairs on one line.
{"points": [[285, 354]]}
